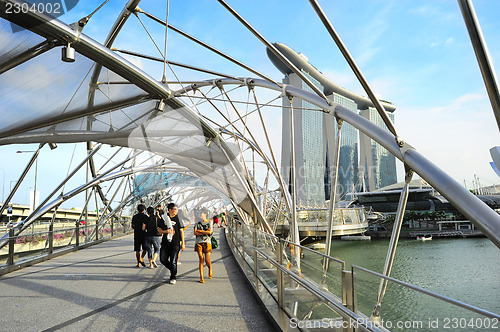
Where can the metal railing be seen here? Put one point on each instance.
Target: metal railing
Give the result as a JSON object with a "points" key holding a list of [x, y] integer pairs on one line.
{"points": [[301, 296], [28, 249], [419, 306]]}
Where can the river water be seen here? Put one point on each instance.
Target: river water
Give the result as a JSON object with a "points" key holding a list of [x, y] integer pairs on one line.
{"points": [[467, 270]]}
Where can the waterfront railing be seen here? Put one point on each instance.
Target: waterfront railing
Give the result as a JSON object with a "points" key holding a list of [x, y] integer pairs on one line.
{"points": [[29, 248], [301, 292]]}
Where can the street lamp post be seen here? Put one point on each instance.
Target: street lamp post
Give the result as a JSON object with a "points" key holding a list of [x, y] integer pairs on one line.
{"points": [[36, 174], [3, 187], [21, 178], [28, 196]]}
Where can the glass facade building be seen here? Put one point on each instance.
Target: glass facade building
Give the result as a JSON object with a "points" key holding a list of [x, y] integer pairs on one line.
{"points": [[364, 165], [312, 145], [309, 142], [378, 165], [348, 160]]}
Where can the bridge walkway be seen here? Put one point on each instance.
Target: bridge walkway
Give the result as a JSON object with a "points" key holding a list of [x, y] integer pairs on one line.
{"points": [[100, 289]]}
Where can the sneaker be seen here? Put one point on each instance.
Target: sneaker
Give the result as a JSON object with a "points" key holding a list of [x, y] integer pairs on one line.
{"points": [[155, 265], [173, 281]]}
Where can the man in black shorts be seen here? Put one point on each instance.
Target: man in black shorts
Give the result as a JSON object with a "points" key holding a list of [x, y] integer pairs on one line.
{"points": [[137, 220]]}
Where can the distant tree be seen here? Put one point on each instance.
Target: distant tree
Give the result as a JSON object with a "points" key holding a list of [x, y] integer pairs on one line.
{"points": [[440, 215], [433, 215], [390, 219]]}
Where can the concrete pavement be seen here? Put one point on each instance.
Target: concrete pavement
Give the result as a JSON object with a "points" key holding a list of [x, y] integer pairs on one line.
{"points": [[100, 289]]}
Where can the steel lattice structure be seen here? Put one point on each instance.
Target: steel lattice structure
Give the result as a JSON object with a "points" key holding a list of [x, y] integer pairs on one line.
{"points": [[207, 138]]}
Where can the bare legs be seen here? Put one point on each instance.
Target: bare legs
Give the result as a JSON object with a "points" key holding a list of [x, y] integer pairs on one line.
{"points": [[209, 264], [202, 258], [200, 265], [139, 257], [152, 261]]}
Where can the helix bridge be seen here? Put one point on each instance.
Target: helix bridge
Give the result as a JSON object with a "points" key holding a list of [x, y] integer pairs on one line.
{"points": [[138, 127]]}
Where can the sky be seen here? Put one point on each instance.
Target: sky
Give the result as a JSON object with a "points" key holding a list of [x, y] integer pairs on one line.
{"points": [[416, 54]]}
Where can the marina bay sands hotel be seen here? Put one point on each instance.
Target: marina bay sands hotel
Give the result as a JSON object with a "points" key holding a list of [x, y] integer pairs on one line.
{"points": [[364, 165]]}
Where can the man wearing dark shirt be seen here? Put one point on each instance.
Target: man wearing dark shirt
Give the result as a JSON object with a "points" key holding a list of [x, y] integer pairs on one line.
{"points": [[172, 241], [139, 235]]}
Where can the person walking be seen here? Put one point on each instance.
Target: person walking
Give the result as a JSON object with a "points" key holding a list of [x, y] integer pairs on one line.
{"points": [[152, 240], [172, 241], [215, 217], [139, 235], [222, 219], [203, 244]]}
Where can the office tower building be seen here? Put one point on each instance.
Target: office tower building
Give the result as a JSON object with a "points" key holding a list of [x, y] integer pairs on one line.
{"points": [[347, 181], [309, 145], [377, 165], [364, 165]]}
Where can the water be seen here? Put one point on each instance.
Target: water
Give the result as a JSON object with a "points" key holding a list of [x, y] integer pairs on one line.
{"points": [[467, 270]]}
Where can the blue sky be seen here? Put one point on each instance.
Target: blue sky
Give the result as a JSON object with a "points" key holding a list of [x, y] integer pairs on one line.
{"points": [[416, 54]]}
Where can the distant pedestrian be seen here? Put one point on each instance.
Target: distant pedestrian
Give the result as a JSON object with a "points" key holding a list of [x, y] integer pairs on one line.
{"points": [[159, 211], [139, 234], [203, 245], [223, 218], [172, 241], [153, 238], [215, 218]]}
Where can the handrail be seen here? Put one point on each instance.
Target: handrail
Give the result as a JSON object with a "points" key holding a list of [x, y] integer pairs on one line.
{"points": [[425, 291], [48, 252], [240, 241], [317, 253], [327, 297], [239, 233]]}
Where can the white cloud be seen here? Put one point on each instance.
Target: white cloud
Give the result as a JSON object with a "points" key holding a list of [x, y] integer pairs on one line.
{"points": [[456, 137], [462, 104], [367, 55], [446, 43], [135, 61]]}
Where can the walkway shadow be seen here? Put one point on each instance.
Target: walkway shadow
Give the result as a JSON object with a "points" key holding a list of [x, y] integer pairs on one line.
{"points": [[243, 290]]}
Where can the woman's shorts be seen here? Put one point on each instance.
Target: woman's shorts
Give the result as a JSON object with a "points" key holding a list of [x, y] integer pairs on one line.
{"points": [[203, 247]]}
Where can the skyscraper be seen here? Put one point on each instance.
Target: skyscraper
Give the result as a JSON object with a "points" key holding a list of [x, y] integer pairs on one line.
{"points": [[363, 166], [348, 159], [309, 143], [377, 165], [313, 153]]}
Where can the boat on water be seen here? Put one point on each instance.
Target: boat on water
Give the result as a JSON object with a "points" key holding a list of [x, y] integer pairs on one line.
{"points": [[360, 237], [424, 237]]}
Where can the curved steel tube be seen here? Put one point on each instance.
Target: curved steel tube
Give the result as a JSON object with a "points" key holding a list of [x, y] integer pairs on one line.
{"points": [[485, 218], [54, 29], [482, 55], [479, 213]]}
